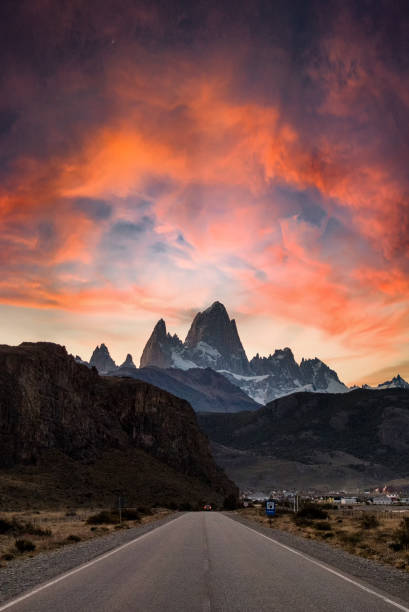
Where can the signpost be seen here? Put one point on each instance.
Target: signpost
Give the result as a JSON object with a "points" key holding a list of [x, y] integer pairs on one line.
{"points": [[270, 509]]}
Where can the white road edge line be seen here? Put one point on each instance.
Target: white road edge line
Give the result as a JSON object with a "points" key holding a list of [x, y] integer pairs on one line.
{"points": [[327, 568], [14, 602]]}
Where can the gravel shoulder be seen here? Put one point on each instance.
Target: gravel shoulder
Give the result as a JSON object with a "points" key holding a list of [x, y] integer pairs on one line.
{"points": [[393, 581], [23, 575]]}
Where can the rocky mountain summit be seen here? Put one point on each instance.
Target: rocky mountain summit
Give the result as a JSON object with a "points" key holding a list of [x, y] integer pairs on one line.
{"points": [[102, 360], [397, 382], [214, 342], [54, 409]]}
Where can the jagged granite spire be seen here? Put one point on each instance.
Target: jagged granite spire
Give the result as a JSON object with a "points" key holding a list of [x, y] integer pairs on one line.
{"points": [[158, 349], [102, 360], [128, 363], [213, 341]]}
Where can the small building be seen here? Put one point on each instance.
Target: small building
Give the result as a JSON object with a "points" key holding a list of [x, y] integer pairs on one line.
{"points": [[348, 501], [382, 500]]}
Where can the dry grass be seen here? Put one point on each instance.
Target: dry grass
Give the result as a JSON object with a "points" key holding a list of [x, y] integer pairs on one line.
{"points": [[345, 531], [59, 528]]}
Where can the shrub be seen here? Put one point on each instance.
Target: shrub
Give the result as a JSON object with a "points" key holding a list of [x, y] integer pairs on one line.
{"points": [[369, 521], [103, 518], [6, 526], [401, 536], [145, 510], [37, 531], [322, 526], [349, 538], [73, 538], [131, 514], [300, 521], [311, 511], [24, 545]]}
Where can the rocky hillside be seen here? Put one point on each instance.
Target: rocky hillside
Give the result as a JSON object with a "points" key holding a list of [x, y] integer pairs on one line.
{"points": [[204, 389], [53, 407], [324, 441]]}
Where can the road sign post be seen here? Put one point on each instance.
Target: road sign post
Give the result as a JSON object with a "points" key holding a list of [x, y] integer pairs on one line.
{"points": [[270, 509]]}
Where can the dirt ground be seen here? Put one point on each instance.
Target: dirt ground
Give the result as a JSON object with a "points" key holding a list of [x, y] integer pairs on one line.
{"points": [[47, 530], [345, 530]]}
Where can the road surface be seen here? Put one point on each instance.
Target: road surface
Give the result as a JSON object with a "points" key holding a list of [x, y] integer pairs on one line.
{"points": [[204, 562]]}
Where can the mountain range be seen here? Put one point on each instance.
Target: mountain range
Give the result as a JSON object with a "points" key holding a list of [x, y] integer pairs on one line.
{"points": [[213, 343]]}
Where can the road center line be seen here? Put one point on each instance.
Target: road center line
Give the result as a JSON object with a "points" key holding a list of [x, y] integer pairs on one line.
{"points": [[326, 568], [14, 602]]}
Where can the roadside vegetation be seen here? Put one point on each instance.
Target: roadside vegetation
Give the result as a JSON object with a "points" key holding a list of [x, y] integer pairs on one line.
{"points": [[28, 533], [361, 533]]}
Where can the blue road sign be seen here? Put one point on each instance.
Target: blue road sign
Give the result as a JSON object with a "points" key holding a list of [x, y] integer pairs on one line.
{"points": [[270, 508]]}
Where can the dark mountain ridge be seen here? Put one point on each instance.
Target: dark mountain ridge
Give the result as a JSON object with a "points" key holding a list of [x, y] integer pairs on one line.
{"points": [[360, 439], [49, 405], [205, 389]]}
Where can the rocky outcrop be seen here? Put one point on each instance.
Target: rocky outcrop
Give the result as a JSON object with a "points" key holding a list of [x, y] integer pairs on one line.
{"points": [[48, 402], [102, 360]]}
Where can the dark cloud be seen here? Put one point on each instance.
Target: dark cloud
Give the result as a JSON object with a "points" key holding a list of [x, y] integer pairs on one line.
{"points": [[93, 208]]}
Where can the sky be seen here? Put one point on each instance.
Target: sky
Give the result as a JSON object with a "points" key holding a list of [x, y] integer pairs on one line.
{"points": [[159, 156]]}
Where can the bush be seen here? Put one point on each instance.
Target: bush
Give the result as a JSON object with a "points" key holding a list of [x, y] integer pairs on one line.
{"points": [[103, 518], [131, 514], [369, 521], [6, 526], [145, 510], [311, 511], [24, 546], [401, 536], [349, 538], [37, 531], [322, 526], [73, 538]]}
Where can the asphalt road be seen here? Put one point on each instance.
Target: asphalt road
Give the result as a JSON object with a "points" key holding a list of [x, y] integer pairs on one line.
{"points": [[203, 562]]}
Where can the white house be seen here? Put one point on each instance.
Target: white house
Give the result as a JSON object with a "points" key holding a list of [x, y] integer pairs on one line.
{"points": [[382, 500], [347, 501]]}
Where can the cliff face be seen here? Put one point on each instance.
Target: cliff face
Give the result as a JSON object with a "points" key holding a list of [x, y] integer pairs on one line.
{"points": [[48, 402]]}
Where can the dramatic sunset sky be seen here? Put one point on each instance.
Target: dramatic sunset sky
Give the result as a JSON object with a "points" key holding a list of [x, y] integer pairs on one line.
{"points": [[158, 156]]}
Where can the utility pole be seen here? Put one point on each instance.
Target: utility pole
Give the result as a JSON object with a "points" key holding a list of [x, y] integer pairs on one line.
{"points": [[120, 509]]}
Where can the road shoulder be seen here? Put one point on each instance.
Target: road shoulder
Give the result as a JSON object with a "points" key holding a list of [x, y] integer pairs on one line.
{"points": [[392, 581], [21, 576]]}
